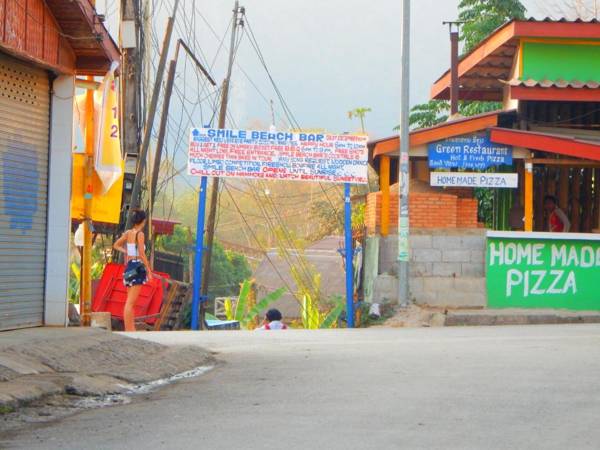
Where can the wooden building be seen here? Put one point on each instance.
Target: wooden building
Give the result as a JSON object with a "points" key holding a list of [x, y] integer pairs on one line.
{"points": [[544, 77]]}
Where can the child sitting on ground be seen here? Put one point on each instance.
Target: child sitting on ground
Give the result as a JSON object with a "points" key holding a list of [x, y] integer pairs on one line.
{"points": [[273, 321]]}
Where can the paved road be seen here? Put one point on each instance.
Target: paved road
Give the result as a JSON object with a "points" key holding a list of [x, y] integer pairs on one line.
{"points": [[450, 388]]}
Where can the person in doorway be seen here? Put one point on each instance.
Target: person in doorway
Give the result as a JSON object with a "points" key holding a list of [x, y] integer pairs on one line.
{"points": [[558, 221], [137, 270], [273, 321]]}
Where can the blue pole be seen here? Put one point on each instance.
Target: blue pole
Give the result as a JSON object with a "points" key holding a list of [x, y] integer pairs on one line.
{"points": [[349, 257], [199, 255]]}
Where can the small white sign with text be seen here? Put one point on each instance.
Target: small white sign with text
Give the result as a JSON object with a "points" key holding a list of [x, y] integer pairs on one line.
{"points": [[475, 179]]}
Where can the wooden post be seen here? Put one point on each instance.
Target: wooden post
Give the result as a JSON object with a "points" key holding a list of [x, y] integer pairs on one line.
{"points": [[130, 79], [214, 195], [384, 182], [588, 207], [551, 181], [162, 130], [85, 289], [143, 153], [190, 277], [454, 80], [539, 188], [563, 188], [521, 192], [528, 196], [597, 198], [576, 201]]}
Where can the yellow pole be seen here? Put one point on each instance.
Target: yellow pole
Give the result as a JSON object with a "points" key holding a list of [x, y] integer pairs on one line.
{"points": [[528, 196], [88, 192], [384, 183]]}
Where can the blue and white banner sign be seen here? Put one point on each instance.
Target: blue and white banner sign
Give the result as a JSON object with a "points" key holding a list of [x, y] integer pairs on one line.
{"points": [[475, 152], [269, 155]]}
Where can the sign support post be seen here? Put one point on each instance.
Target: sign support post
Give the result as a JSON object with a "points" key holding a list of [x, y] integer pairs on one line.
{"points": [[349, 254], [199, 255]]}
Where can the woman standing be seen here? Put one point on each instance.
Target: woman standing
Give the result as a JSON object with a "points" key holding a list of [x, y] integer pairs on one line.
{"points": [[137, 269]]}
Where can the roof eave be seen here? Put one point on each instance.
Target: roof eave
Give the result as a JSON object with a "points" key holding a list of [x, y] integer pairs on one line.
{"points": [[473, 124], [554, 94], [560, 145], [512, 30], [88, 64]]}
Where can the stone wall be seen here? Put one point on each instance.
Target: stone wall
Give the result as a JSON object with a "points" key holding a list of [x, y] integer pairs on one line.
{"points": [[447, 268]]}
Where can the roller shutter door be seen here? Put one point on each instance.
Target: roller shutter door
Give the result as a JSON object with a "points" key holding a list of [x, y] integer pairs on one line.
{"points": [[24, 136]]}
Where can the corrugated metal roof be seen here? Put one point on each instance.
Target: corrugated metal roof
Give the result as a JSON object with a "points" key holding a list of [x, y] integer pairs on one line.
{"points": [[562, 84], [563, 19]]}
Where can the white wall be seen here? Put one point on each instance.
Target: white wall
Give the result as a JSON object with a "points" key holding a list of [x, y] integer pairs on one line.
{"points": [[59, 201]]}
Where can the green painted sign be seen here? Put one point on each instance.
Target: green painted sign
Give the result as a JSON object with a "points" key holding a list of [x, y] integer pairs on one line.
{"points": [[543, 273], [554, 62]]}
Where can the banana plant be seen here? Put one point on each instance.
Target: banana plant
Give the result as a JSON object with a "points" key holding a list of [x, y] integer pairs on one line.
{"points": [[331, 318], [75, 279], [314, 319], [74, 283]]}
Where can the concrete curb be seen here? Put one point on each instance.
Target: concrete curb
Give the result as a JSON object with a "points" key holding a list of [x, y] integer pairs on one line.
{"points": [[40, 362], [519, 317]]}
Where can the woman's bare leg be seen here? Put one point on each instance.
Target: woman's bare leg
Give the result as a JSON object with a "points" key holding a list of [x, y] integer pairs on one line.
{"points": [[128, 314]]}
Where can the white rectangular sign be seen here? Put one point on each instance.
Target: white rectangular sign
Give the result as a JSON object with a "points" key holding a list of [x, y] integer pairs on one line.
{"points": [[278, 155], [475, 179]]}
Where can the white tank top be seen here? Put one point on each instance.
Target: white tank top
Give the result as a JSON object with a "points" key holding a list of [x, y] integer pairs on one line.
{"points": [[132, 248]]}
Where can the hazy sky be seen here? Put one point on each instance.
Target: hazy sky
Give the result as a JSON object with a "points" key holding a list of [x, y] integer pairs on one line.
{"points": [[327, 56]]}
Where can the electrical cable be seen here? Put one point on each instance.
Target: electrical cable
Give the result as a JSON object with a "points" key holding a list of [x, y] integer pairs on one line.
{"points": [[283, 280]]}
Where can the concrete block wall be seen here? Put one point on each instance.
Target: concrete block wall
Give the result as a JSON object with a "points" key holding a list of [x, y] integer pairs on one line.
{"points": [[447, 268]]}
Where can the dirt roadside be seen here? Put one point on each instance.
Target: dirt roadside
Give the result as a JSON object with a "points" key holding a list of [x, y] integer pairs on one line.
{"points": [[49, 373]]}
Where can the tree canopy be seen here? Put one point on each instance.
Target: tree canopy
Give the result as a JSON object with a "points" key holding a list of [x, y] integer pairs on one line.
{"points": [[482, 17], [228, 269]]}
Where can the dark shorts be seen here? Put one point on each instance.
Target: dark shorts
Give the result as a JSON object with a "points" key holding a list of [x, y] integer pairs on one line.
{"points": [[134, 274]]}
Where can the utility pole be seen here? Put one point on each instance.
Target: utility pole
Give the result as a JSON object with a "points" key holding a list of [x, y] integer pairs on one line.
{"points": [[130, 76], [214, 196], [454, 84], [165, 112], [143, 154], [403, 166]]}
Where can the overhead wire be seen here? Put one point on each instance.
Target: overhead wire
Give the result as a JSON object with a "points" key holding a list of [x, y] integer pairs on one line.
{"points": [[266, 253], [275, 218], [175, 131], [287, 110]]}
